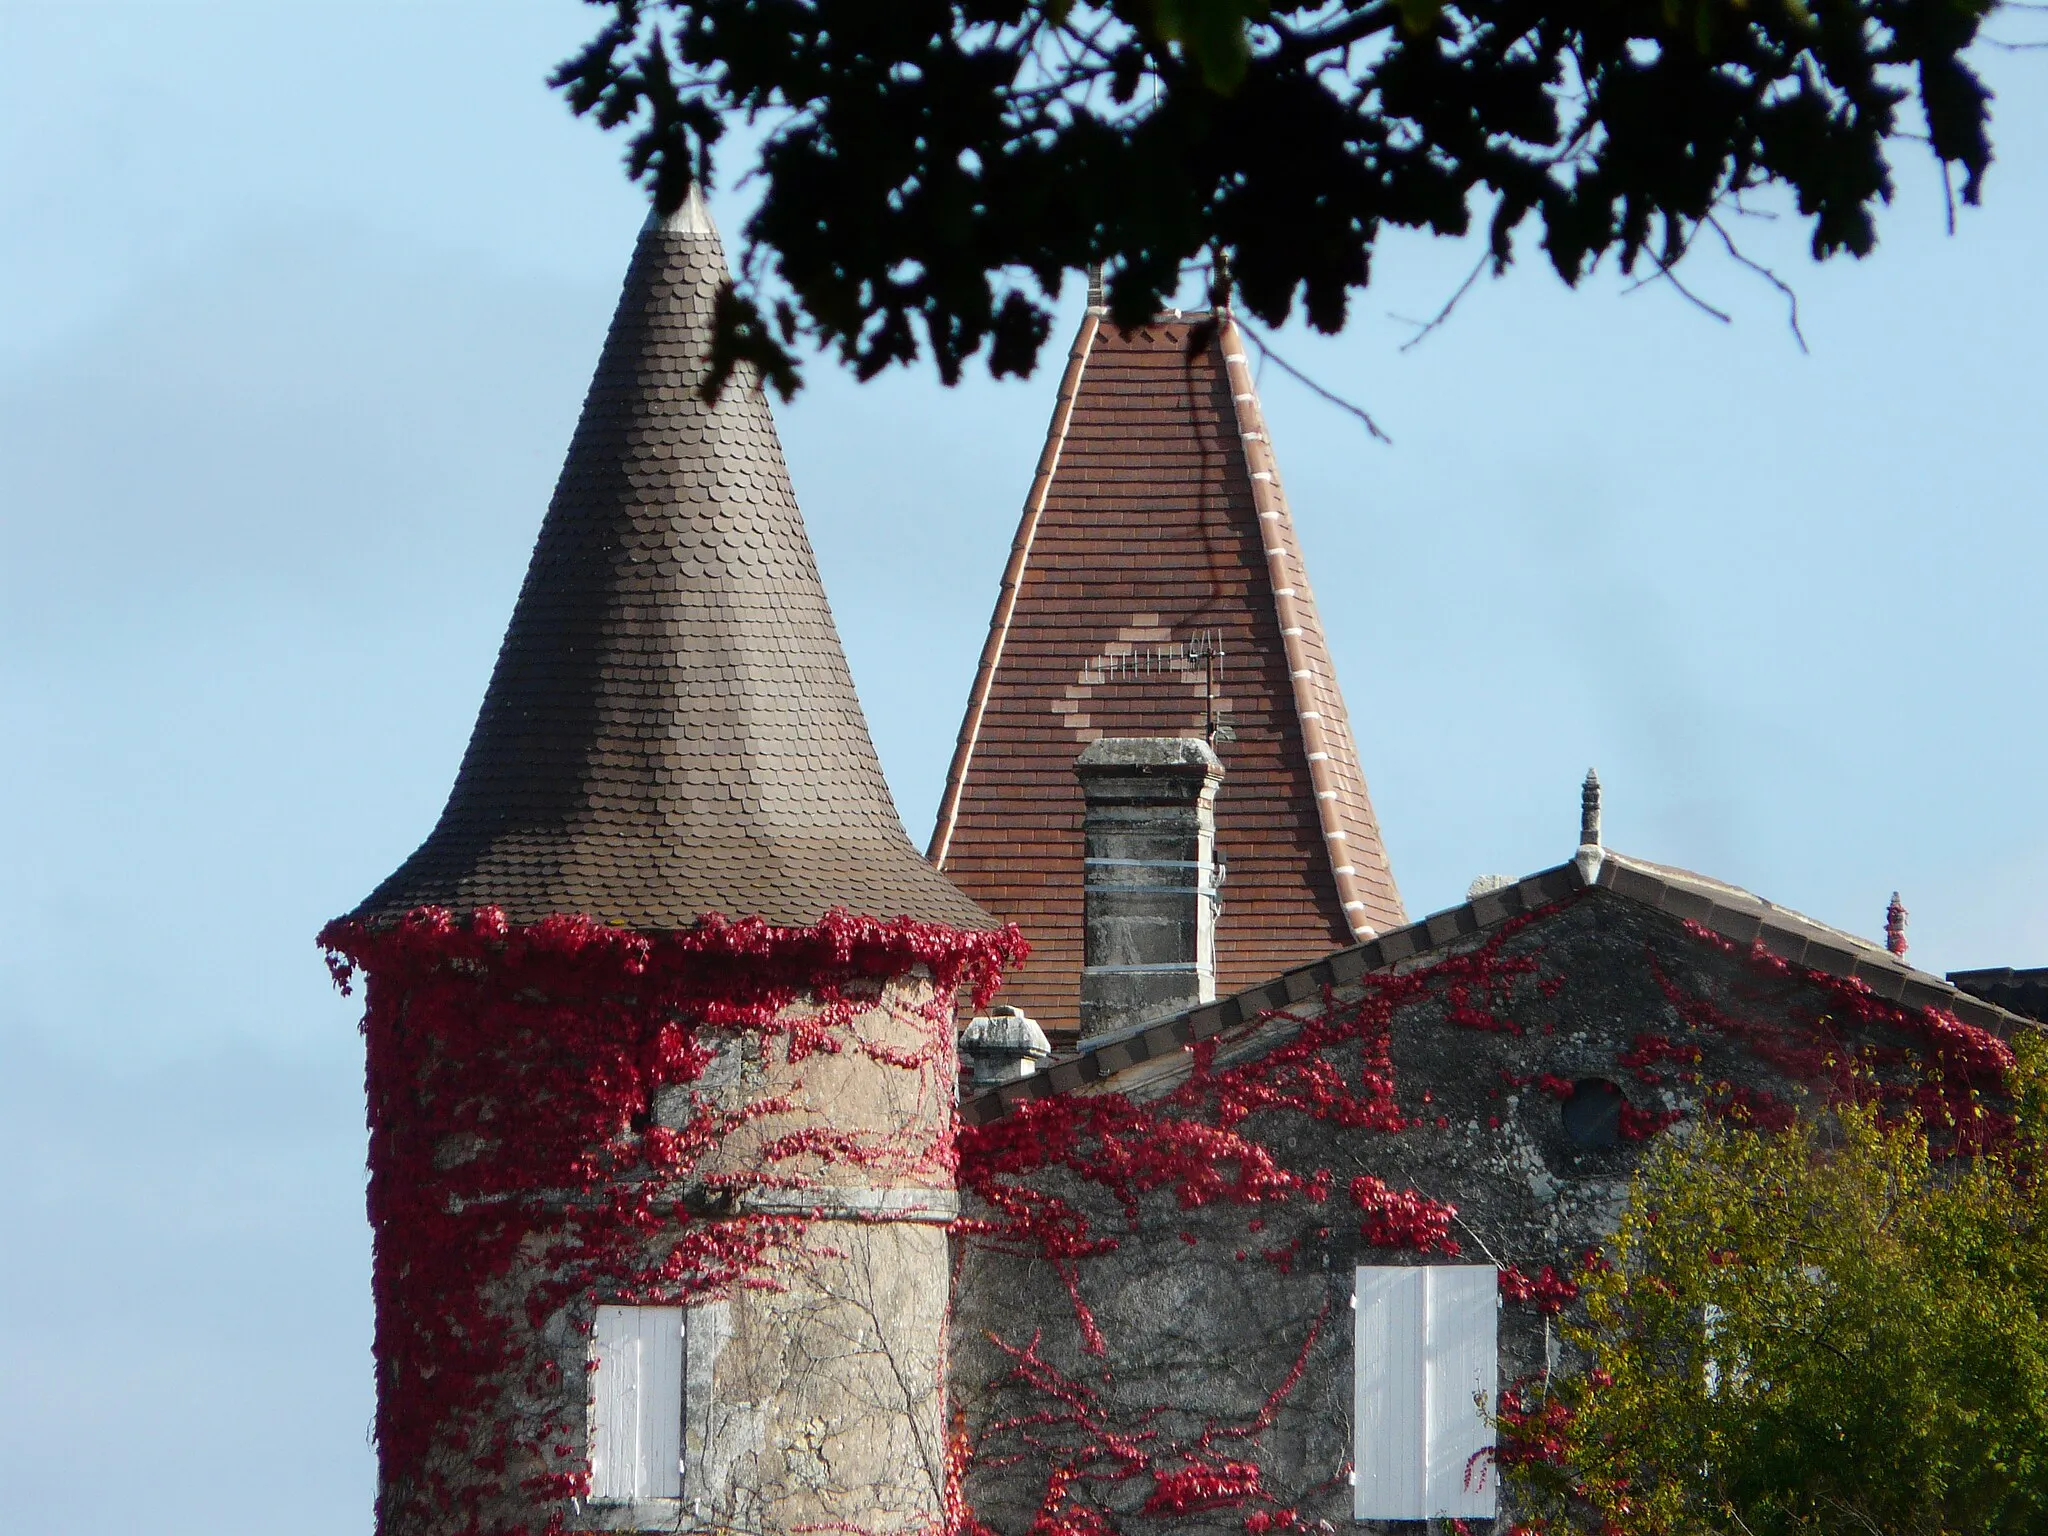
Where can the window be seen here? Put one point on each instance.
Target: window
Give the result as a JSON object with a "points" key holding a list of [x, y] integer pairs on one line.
{"points": [[636, 1404], [1425, 1372], [1592, 1113]]}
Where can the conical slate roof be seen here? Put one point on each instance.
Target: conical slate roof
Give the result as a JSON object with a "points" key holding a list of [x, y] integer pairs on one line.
{"points": [[1157, 521], [671, 728]]}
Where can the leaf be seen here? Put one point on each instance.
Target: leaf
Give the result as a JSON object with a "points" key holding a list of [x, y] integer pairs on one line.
{"points": [[1419, 16], [1824, 1330], [1213, 35], [739, 334]]}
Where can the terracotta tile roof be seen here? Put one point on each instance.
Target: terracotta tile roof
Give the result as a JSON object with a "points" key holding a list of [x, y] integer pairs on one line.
{"points": [[1156, 519], [1727, 910], [671, 728]]}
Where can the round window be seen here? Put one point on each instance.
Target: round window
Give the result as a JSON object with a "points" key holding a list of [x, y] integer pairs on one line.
{"points": [[1592, 1113]]}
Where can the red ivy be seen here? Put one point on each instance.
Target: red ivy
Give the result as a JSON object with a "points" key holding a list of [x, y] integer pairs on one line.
{"points": [[1401, 1218], [514, 1170], [1550, 1291], [1203, 1141]]}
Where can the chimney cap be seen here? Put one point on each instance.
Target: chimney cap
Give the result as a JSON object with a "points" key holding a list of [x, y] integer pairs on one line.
{"points": [[1111, 752], [1003, 1046], [1005, 1031]]}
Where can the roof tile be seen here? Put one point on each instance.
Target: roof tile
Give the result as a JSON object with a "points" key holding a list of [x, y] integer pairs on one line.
{"points": [[667, 737], [1144, 529]]}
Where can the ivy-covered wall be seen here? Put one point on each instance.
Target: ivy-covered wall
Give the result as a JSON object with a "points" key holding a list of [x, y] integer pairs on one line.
{"points": [[1152, 1327], [749, 1122]]}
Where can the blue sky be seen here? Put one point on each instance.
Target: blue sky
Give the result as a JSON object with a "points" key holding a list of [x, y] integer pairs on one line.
{"points": [[297, 304]]}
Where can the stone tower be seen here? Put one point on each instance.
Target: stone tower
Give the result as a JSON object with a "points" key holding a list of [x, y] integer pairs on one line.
{"points": [[660, 1060]]}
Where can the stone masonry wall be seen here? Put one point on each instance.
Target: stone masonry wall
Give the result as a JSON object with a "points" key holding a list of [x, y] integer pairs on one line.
{"points": [[1152, 1326], [754, 1125]]}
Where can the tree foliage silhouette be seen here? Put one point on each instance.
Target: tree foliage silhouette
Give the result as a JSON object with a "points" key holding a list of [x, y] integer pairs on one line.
{"points": [[933, 168]]}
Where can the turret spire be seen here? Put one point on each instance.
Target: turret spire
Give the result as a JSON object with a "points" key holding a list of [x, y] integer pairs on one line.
{"points": [[671, 728]]}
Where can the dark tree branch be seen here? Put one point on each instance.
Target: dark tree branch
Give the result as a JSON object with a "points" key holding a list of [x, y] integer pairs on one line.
{"points": [[1664, 274], [1424, 327], [1266, 353], [936, 166], [1764, 272]]}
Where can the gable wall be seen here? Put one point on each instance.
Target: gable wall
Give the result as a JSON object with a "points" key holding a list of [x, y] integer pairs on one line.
{"points": [[1187, 1320]]}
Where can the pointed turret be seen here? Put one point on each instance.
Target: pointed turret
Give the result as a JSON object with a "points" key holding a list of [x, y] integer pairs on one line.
{"points": [[1156, 589], [632, 1175], [671, 728]]}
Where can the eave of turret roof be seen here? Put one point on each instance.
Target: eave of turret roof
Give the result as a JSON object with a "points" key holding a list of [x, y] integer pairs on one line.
{"points": [[671, 729]]}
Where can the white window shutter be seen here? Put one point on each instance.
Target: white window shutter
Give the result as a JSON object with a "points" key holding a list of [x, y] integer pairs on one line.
{"points": [[636, 1406], [1390, 1400], [1426, 1373], [1463, 1348]]}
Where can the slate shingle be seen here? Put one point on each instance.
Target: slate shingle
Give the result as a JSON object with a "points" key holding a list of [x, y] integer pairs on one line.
{"points": [[671, 728]]}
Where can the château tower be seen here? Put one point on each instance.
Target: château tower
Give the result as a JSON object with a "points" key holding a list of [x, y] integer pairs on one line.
{"points": [[659, 1019]]}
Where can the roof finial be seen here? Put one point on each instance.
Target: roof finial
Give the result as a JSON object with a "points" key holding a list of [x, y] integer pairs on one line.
{"points": [[689, 217], [1095, 299], [1895, 926], [1590, 856]]}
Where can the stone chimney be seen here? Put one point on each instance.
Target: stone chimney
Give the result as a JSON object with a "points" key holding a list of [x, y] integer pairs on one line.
{"points": [[1152, 877]]}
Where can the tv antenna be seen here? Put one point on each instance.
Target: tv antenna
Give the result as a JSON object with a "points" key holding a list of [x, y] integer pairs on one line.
{"points": [[1203, 649]]}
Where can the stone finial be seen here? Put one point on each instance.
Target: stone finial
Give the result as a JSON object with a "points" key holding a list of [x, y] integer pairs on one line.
{"points": [[1590, 856], [1095, 298], [1002, 1046], [1895, 925]]}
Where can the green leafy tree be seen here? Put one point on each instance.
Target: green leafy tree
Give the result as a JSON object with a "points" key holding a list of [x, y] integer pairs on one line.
{"points": [[1829, 1330], [933, 168]]}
